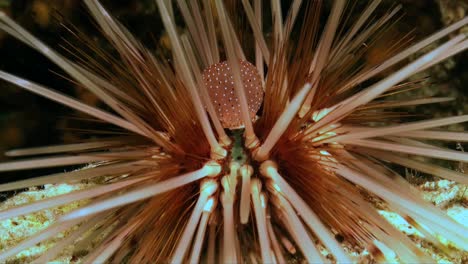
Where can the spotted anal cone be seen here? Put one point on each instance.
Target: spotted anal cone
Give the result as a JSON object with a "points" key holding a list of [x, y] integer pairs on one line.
{"points": [[219, 81]]}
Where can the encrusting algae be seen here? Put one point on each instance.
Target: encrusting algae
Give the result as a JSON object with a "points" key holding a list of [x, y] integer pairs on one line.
{"points": [[16, 229]]}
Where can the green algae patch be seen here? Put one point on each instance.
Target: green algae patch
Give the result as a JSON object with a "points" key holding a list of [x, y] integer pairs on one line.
{"points": [[15, 230]]}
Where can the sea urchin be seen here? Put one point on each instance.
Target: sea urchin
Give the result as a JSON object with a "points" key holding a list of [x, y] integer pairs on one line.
{"points": [[220, 159]]}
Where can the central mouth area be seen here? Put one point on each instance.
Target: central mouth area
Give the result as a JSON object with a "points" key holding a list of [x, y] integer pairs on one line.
{"points": [[244, 191]]}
